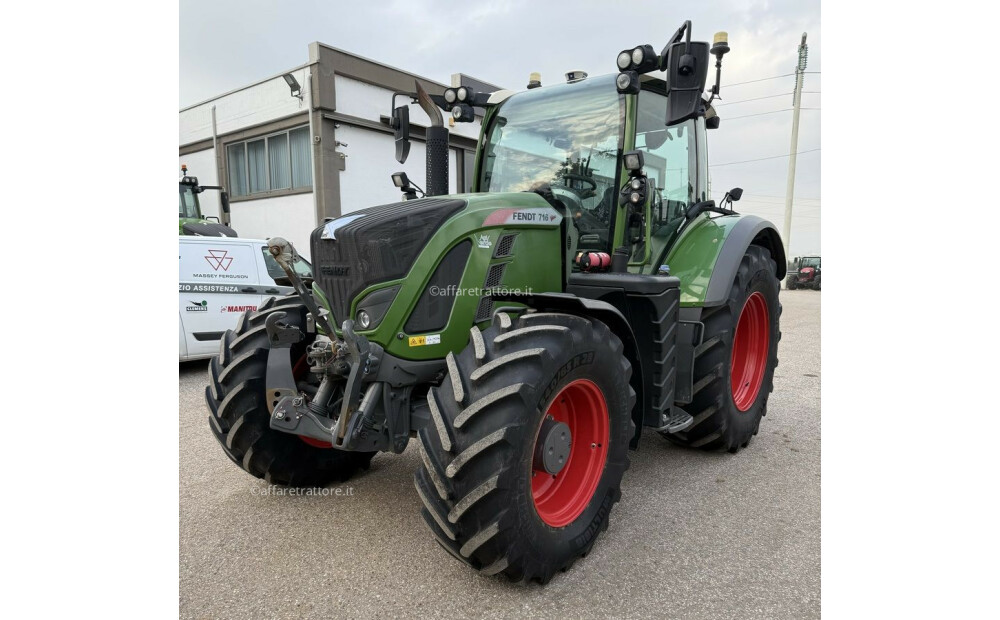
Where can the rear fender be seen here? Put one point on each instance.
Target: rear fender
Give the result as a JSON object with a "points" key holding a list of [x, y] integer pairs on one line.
{"points": [[708, 253]]}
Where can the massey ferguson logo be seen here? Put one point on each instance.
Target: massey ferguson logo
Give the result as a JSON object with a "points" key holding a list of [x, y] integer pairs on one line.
{"points": [[219, 259], [337, 271]]}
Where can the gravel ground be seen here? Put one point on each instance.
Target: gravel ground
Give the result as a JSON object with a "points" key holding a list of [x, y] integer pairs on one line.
{"points": [[696, 535]]}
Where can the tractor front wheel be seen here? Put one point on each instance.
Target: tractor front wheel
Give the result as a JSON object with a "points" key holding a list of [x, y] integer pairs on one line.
{"points": [[239, 416], [528, 443], [734, 364]]}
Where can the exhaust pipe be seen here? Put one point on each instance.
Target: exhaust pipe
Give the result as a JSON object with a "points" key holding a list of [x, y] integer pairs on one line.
{"points": [[437, 146]]}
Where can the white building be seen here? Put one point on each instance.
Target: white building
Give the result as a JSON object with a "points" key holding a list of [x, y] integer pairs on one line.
{"points": [[291, 158]]}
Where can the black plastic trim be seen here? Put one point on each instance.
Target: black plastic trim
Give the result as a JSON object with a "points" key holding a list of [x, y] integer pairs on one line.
{"points": [[748, 231]]}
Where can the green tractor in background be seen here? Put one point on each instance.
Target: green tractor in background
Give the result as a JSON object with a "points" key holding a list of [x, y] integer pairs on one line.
{"points": [[192, 222], [524, 333]]}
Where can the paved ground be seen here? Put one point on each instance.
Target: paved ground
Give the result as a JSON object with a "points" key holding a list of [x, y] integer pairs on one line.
{"points": [[696, 535]]}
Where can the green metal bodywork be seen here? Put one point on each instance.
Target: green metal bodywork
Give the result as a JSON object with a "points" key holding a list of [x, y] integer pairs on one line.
{"points": [[535, 267], [537, 262], [693, 256]]}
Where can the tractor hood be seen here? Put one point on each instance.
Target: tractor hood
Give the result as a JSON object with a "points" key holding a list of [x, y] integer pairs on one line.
{"points": [[403, 243]]}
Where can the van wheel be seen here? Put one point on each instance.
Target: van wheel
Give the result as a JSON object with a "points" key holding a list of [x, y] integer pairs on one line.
{"points": [[239, 416]]}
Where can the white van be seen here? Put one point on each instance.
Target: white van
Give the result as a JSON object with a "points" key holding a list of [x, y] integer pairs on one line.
{"points": [[220, 278]]}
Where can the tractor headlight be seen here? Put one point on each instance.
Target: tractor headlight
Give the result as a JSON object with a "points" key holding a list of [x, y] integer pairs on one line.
{"points": [[450, 95], [463, 113], [624, 59], [463, 94], [635, 198], [636, 184], [364, 320], [627, 82], [637, 56]]}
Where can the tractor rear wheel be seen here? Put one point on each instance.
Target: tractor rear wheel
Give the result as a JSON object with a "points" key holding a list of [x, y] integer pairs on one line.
{"points": [[734, 365], [528, 444], [238, 413]]}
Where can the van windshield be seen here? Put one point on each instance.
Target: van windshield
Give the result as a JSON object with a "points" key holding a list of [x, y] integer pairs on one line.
{"points": [[301, 266]]}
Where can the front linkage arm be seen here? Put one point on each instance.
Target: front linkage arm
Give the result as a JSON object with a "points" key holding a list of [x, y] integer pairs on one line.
{"points": [[360, 358]]}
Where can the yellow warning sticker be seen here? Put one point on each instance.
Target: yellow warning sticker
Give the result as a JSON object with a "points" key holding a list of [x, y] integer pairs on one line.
{"points": [[419, 341]]}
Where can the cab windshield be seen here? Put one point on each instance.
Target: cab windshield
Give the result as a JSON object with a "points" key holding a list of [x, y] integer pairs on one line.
{"points": [[812, 261], [189, 202], [567, 136]]}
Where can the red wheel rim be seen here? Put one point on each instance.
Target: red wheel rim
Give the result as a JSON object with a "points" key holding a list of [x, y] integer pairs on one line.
{"points": [[299, 371], [559, 499], [750, 349]]}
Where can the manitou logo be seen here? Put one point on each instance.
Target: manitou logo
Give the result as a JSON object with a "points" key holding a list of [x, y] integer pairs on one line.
{"points": [[236, 308], [219, 259]]}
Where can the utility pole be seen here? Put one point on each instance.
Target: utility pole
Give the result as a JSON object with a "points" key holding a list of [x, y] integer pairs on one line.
{"points": [[797, 99]]}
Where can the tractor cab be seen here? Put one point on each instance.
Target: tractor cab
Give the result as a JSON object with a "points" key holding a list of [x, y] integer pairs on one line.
{"points": [[192, 222]]}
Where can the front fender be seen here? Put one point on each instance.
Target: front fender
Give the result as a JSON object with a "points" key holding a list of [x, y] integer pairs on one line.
{"points": [[708, 252]]}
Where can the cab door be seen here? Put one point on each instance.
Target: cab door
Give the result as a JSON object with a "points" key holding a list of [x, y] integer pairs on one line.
{"points": [[218, 281]]}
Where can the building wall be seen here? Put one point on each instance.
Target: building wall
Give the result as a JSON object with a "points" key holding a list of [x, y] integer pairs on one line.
{"points": [[349, 131], [253, 105], [371, 160], [291, 217]]}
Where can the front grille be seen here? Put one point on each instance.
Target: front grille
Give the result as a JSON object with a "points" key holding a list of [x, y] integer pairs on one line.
{"points": [[485, 309], [381, 243], [504, 245], [494, 277]]}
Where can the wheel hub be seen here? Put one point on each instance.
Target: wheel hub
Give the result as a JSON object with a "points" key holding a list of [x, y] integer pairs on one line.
{"points": [[553, 446], [577, 428], [750, 350]]}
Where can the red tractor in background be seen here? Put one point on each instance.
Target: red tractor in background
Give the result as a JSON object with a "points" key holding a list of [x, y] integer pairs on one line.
{"points": [[804, 272]]}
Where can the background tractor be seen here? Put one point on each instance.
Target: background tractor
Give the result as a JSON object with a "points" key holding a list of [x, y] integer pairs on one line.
{"points": [[804, 273], [192, 222], [524, 333]]}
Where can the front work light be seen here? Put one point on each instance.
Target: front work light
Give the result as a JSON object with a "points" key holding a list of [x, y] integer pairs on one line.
{"points": [[450, 95], [463, 113], [624, 60], [399, 179], [627, 82], [634, 162]]}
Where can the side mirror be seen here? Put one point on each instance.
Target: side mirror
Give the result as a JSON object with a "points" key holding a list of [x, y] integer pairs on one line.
{"points": [[687, 72], [224, 198], [736, 193], [401, 130]]}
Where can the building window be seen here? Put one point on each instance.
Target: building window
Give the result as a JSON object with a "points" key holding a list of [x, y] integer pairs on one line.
{"points": [[275, 162]]}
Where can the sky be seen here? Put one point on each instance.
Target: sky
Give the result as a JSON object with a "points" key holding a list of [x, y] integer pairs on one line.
{"points": [[226, 44]]}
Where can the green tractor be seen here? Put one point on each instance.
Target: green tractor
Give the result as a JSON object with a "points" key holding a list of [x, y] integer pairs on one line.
{"points": [[192, 222], [525, 333]]}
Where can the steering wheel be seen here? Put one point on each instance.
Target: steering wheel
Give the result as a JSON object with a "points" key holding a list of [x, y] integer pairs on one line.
{"points": [[582, 219], [587, 193]]}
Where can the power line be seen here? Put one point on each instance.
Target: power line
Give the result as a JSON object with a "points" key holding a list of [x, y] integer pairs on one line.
{"points": [[733, 118], [754, 99], [760, 80], [773, 77], [745, 161], [782, 197]]}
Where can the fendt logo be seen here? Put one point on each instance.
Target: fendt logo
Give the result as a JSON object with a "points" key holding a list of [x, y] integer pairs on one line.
{"points": [[337, 271], [219, 259]]}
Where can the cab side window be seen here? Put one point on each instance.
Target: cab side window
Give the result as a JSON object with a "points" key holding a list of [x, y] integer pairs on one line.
{"points": [[669, 154]]}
